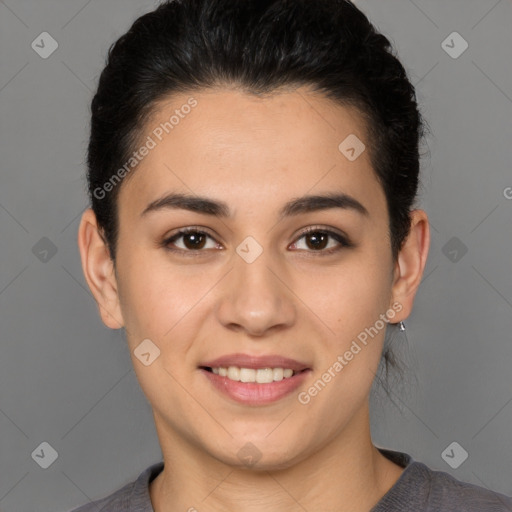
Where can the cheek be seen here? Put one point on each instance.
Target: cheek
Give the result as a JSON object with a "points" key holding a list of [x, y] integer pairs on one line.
{"points": [[161, 301], [351, 306], [347, 297], [351, 356], [147, 295]]}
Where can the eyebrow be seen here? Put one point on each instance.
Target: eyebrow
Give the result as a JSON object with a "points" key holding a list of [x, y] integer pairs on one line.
{"points": [[296, 206]]}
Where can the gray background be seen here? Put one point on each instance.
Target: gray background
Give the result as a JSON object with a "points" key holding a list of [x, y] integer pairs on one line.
{"points": [[67, 380]]}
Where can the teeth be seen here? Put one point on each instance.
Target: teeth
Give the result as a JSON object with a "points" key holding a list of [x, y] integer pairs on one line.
{"points": [[233, 373], [247, 375], [278, 373], [265, 375], [261, 375]]}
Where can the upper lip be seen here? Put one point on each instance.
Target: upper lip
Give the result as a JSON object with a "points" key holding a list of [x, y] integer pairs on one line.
{"points": [[255, 362]]}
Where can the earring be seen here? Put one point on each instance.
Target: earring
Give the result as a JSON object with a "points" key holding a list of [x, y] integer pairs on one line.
{"points": [[402, 326]]}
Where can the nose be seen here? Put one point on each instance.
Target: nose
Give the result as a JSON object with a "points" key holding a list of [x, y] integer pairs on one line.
{"points": [[257, 297]]}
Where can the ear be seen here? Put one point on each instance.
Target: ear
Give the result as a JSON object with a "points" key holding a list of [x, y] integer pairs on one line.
{"points": [[411, 263], [99, 271]]}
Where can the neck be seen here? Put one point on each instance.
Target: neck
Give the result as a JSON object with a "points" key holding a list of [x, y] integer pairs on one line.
{"points": [[347, 474]]}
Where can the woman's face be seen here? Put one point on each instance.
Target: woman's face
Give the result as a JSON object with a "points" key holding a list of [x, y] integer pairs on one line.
{"points": [[251, 285]]}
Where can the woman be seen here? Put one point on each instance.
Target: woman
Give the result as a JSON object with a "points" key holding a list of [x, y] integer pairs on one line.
{"points": [[253, 167]]}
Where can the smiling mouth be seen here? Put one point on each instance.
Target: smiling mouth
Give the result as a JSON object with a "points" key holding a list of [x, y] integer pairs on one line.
{"points": [[257, 375]]}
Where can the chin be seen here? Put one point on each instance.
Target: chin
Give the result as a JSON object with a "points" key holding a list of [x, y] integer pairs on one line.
{"points": [[262, 456]]}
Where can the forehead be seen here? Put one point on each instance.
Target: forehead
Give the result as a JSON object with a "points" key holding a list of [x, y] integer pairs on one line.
{"points": [[251, 149]]}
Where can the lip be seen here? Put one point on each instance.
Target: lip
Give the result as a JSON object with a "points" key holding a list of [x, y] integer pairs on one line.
{"points": [[255, 362], [254, 393]]}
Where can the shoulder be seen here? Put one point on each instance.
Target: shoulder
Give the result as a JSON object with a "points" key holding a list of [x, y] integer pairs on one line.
{"points": [[115, 502], [422, 489], [447, 494], [133, 497]]}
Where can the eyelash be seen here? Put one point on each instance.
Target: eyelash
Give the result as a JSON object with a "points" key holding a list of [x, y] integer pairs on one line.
{"points": [[342, 240]]}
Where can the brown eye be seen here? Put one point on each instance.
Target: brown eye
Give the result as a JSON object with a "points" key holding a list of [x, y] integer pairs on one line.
{"points": [[192, 240], [317, 240]]}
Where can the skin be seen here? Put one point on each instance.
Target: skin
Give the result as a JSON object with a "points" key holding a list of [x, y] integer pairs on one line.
{"points": [[256, 154]]}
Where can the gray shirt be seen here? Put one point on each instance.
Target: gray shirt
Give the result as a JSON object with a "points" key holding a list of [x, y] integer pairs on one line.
{"points": [[419, 489]]}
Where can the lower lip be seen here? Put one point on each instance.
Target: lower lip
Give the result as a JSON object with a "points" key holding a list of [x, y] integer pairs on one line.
{"points": [[254, 393]]}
